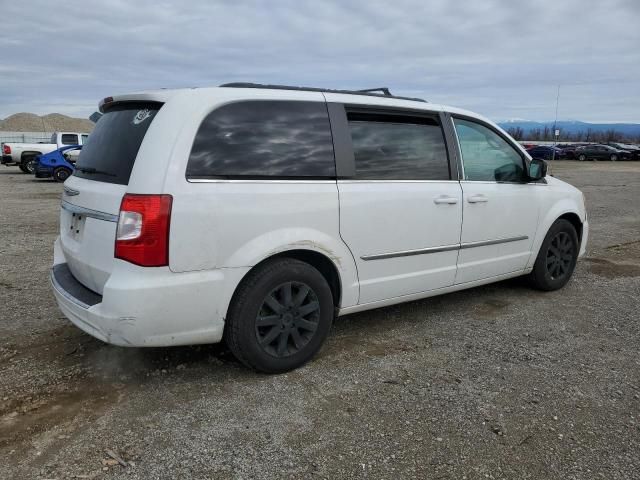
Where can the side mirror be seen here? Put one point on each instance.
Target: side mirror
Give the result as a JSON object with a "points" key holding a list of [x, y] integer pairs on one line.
{"points": [[537, 169]]}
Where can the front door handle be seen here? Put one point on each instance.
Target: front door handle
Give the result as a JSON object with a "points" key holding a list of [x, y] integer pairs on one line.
{"points": [[445, 200], [477, 199]]}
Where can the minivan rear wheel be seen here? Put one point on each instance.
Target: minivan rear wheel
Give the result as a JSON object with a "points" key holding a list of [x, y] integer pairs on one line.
{"points": [[557, 257], [279, 316]]}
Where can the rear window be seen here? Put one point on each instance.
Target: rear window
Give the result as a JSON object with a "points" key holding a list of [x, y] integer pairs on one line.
{"points": [[110, 151], [264, 139], [69, 139]]}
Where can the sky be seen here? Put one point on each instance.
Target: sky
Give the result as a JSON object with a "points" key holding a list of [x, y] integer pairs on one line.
{"points": [[503, 59]]}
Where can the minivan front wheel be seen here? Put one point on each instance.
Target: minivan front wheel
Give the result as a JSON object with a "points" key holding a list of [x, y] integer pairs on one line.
{"points": [[557, 257], [280, 316]]}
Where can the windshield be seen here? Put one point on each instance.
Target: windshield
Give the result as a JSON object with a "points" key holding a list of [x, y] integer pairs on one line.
{"points": [[110, 151]]}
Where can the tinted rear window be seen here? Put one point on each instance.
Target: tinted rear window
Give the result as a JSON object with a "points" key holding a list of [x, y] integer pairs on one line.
{"points": [[395, 147], [264, 139], [110, 151], [69, 139]]}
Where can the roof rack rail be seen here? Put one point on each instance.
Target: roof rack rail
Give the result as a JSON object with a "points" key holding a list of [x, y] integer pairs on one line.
{"points": [[384, 91]]}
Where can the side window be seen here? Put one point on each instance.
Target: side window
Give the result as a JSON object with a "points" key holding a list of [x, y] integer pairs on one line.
{"points": [[69, 139], [486, 156], [84, 139], [397, 147], [264, 139]]}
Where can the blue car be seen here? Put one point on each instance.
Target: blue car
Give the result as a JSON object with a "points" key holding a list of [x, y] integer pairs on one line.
{"points": [[56, 164]]}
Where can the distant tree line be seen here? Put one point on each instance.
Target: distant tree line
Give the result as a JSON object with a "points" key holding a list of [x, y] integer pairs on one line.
{"points": [[546, 134]]}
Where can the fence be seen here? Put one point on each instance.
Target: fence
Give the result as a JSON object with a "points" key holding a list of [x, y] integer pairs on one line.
{"points": [[25, 137]]}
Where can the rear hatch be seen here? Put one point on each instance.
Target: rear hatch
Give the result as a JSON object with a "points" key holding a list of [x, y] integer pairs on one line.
{"points": [[92, 195]]}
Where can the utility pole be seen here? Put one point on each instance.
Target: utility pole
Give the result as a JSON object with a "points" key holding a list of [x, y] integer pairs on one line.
{"points": [[556, 132]]}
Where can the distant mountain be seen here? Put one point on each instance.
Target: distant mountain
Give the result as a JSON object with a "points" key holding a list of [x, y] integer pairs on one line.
{"points": [[574, 126]]}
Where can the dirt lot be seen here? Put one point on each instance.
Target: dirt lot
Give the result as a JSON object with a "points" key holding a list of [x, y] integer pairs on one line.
{"points": [[495, 382]]}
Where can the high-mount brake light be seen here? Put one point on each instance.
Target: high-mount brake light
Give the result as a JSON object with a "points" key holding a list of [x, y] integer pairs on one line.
{"points": [[142, 236]]}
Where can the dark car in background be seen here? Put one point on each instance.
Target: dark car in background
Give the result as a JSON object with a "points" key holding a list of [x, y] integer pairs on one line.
{"points": [[633, 150], [601, 152], [547, 152], [569, 150]]}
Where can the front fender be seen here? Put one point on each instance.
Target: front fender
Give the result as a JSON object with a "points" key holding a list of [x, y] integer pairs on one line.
{"points": [[559, 208]]}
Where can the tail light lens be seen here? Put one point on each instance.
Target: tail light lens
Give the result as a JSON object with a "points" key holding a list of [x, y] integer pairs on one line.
{"points": [[142, 236], [6, 150]]}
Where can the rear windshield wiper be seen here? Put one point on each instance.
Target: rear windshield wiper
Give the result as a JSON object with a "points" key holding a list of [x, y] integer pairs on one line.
{"points": [[94, 170]]}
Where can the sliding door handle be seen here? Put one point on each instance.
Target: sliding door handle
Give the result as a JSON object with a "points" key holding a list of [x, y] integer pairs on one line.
{"points": [[444, 200], [477, 199]]}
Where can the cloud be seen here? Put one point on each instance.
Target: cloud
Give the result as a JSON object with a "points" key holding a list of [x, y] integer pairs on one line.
{"points": [[501, 58]]}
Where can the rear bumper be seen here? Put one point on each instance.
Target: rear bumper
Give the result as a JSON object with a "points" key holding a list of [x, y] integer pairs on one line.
{"points": [[43, 172], [7, 160], [151, 307]]}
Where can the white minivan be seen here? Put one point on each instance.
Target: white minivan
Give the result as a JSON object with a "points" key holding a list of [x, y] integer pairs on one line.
{"points": [[258, 213]]}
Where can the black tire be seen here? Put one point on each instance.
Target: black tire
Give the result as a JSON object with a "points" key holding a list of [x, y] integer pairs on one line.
{"points": [[60, 174], [582, 157], [261, 315], [28, 164], [557, 257]]}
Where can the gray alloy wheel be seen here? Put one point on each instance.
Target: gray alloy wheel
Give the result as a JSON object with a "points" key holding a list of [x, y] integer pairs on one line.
{"points": [[582, 157], [287, 319], [60, 174], [28, 165], [613, 157], [279, 316]]}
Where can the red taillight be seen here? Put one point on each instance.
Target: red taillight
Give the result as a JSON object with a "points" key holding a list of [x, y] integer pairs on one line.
{"points": [[6, 150], [142, 237]]}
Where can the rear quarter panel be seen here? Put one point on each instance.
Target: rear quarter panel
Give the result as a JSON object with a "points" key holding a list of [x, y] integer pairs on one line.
{"points": [[239, 223]]}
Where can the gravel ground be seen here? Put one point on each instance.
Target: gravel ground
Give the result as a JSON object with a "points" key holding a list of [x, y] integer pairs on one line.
{"points": [[495, 382]]}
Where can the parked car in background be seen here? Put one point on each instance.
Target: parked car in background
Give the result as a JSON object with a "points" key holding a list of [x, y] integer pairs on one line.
{"points": [[633, 150], [547, 152], [601, 152], [24, 154], [569, 150], [58, 164], [258, 213]]}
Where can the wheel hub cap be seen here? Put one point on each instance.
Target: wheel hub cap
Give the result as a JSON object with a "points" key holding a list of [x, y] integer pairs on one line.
{"points": [[287, 319], [560, 256]]}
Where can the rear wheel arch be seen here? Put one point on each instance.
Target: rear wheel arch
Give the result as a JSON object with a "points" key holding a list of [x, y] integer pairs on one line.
{"points": [[29, 154], [320, 262]]}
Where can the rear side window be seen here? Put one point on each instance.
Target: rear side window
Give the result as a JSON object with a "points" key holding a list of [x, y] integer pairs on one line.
{"points": [[398, 147], [264, 139], [69, 139], [110, 151]]}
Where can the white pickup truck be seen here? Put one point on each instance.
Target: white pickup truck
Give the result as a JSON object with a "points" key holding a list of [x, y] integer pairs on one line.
{"points": [[23, 154]]}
